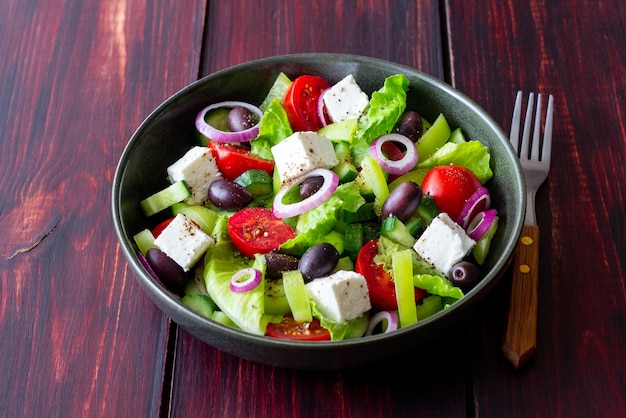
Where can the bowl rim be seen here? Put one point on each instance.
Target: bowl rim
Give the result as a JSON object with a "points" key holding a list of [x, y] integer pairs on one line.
{"points": [[171, 304]]}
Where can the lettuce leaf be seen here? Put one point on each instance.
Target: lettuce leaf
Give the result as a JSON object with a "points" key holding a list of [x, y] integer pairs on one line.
{"points": [[245, 309], [470, 154], [342, 330], [273, 128]]}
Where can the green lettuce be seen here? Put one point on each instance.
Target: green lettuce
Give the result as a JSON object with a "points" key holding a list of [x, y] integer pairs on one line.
{"points": [[470, 154], [273, 128], [342, 330]]}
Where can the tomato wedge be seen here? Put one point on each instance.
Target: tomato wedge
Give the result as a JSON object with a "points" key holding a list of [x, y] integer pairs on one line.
{"points": [[381, 286], [233, 160], [161, 226], [450, 186], [301, 100], [290, 329], [257, 231]]}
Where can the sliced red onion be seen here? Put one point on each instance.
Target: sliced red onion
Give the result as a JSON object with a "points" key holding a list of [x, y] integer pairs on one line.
{"points": [[387, 319], [479, 201], [321, 112], [252, 278], [481, 223], [225, 136], [401, 166], [331, 181]]}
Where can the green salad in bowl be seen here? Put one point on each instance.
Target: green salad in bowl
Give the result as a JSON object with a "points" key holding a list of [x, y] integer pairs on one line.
{"points": [[295, 209]]}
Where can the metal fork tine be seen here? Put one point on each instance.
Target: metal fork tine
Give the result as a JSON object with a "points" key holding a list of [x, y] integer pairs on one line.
{"points": [[524, 146], [515, 122], [547, 134], [535, 146]]}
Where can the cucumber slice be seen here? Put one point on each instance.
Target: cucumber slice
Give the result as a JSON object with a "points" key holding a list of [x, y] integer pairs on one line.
{"points": [[372, 181], [365, 212], [353, 239], [144, 241], [200, 303], [165, 198], [276, 302], [433, 138], [393, 228], [345, 263], [296, 295], [402, 263], [430, 305], [277, 91], [336, 239], [457, 137], [257, 182], [339, 131], [427, 210], [481, 249], [346, 171], [203, 216]]}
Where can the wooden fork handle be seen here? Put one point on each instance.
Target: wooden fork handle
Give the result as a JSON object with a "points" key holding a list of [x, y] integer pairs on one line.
{"points": [[520, 334]]}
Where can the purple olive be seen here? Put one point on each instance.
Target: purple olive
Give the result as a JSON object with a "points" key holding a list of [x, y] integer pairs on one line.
{"points": [[464, 275], [239, 119], [229, 195], [169, 272], [402, 202]]}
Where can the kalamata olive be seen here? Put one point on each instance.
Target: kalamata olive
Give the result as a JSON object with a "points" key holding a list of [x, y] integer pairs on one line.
{"points": [[410, 125], [240, 119], [169, 272], [464, 275], [403, 201], [277, 263], [229, 195], [310, 186], [318, 261]]}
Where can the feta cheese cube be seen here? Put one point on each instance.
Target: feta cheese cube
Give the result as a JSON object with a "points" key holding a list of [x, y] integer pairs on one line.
{"points": [[184, 241], [198, 168], [302, 152], [444, 243], [345, 100], [341, 296]]}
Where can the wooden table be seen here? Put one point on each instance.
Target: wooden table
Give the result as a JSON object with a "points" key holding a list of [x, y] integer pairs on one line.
{"points": [[78, 336]]}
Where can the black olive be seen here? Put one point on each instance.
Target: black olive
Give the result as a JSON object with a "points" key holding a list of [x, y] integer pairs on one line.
{"points": [[318, 261], [276, 264], [229, 195], [402, 202], [464, 275], [169, 272]]}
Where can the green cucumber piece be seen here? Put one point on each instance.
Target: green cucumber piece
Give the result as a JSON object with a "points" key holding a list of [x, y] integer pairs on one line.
{"points": [[402, 263], [365, 212], [276, 302], [200, 303], [257, 182], [427, 210], [457, 137], [372, 181], [346, 171], [165, 198], [144, 240], [416, 176], [394, 229], [353, 239], [336, 239], [430, 305], [433, 138], [339, 131], [371, 230], [481, 249], [277, 91], [345, 263], [222, 318], [296, 295], [203, 216]]}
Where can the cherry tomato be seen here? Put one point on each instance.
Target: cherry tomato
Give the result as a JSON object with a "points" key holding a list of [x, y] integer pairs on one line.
{"points": [[161, 226], [450, 186], [257, 231], [233, 160], [381, 286], [290, 329], [301, 100]]}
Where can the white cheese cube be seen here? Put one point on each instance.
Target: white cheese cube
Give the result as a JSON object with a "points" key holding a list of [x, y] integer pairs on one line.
{"points": [[198, 168], [341, 296], [302, 152], [345, 100], [443, 244], [184, 241]]}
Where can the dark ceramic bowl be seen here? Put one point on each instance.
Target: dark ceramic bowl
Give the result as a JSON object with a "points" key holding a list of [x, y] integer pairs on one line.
{"points": [[169, 131]]}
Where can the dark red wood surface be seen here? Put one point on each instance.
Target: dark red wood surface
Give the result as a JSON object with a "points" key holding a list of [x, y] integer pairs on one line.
{"points": [[78, 337]]}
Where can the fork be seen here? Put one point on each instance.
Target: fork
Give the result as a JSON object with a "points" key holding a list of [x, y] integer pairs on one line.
{"points": [[520, 335]]}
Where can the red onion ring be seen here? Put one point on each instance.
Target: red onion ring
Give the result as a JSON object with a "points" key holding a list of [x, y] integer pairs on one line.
{"points": [[321, 113], [250, 283], [481, 223], [224, 136], [331, 181], [390, 317], [401, 166], [479, 201]]}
